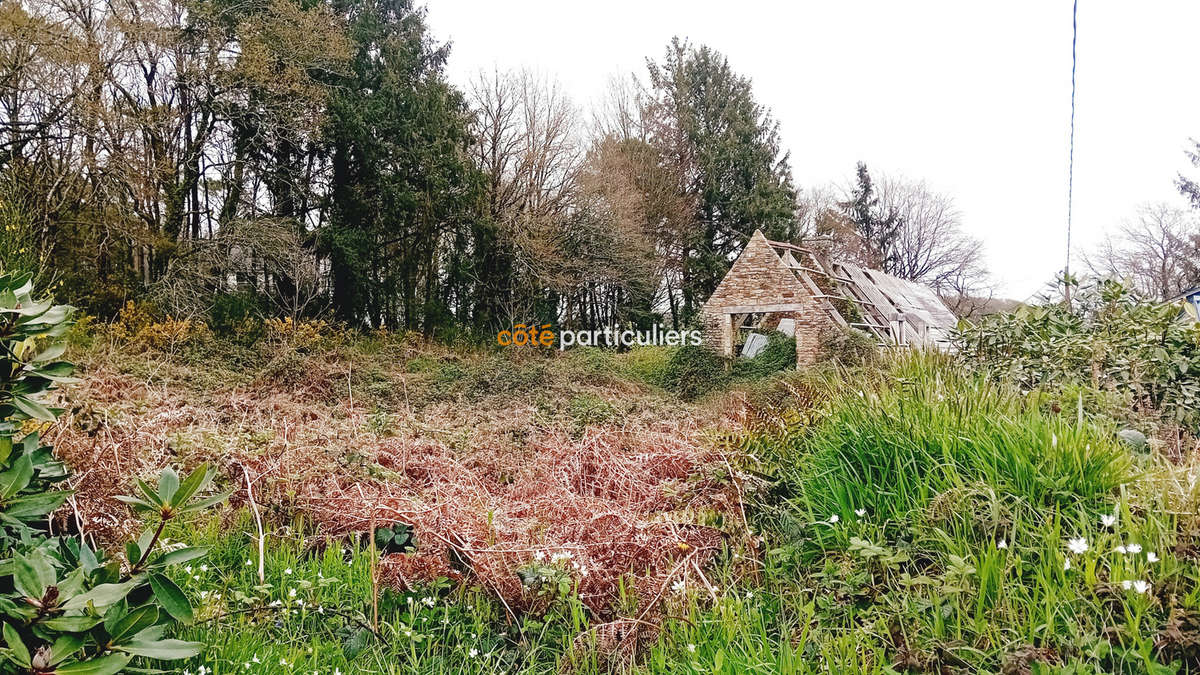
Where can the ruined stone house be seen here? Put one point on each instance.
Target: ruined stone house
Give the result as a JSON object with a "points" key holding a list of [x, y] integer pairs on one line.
{"points": [[774, 280]]}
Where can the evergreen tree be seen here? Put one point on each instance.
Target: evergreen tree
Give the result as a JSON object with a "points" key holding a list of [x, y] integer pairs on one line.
{"points": [[877, 228], [726, 147], [403, 188]]}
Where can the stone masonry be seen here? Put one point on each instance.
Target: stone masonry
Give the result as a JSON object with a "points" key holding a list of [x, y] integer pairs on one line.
{"points": [[760, 281]]}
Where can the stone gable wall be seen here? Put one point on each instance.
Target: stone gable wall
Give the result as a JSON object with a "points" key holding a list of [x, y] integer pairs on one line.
{"points": [[759, 277]]}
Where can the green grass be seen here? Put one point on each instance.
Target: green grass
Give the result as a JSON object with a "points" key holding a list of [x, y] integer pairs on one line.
{"points": [[926, 518]]}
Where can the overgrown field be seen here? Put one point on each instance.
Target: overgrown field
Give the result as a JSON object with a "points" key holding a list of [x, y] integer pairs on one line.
{"points": [[592, 511]]}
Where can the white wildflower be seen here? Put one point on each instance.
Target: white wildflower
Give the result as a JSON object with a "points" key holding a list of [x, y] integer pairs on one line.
{"points": [[1121, 549], [1002, 544], [288, 571], [291, 592], [833, 519], [429, 602], [1134, 548], [1108, 520], [1077, 545], [1127, 584], [1152, 557], [473, 653], [691, 648], [678, 586], [1066, 565], [1141, 586]]}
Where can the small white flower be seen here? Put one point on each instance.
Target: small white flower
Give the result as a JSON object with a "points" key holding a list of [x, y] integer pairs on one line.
{"points": [[1002, 544], [429, 602], [833, 519], [254, 659], [1077, 545], [291, 592], [1127, 584], [1066, 564], [283, 662], [248, 563], [678, 586], [1152, 557], [1054, 440], [204, 568], [749, 595], [691, 648], [1121, 549], [473, 653], [860, 512], [1108, 520], [246, 665], [1134, 548], [288, 571], [188, 569], [1140, 586]]}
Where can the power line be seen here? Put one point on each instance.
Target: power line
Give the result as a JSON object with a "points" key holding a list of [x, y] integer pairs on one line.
{"points": [[1071, 150]]}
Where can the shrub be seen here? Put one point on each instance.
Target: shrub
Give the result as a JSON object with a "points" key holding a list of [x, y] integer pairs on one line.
{"points": [[779, 354], [693, 371], [1108, 339], [847, 347], [65, 607]]}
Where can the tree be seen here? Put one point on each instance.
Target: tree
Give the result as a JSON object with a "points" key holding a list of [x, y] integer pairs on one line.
{"points": [[402, 185], [929, 245], [877, 225], [1156, 252], [725, 147]]}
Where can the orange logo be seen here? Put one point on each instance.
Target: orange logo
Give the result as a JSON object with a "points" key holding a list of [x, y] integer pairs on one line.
{"points": [[526, 336]]}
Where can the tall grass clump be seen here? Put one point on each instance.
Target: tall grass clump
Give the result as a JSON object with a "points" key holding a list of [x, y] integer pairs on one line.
{"points": [[923, 428]]}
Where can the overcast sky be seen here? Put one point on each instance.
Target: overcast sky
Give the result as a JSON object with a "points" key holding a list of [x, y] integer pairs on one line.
{"points": [[973, 98]]}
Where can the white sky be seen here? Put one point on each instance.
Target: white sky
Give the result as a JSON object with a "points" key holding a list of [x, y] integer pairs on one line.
{"points": [[972, 97]]}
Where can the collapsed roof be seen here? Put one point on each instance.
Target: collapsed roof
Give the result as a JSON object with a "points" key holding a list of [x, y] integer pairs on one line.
{"points": [[774, 276], [891, 309]]}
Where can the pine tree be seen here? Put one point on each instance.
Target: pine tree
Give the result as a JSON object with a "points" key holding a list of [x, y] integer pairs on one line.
{"points": [[878, 228]]}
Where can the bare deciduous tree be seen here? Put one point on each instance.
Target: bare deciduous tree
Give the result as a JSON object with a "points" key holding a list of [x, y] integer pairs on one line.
{"points": [[931, 246], [1156, 251]]}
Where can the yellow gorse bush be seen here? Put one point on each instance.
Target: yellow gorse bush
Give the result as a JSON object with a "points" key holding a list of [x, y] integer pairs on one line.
{"points": [[300, 334], [136, 324]]}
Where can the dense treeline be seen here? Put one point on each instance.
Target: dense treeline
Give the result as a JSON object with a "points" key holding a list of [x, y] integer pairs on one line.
{"points": [[298, 158]]}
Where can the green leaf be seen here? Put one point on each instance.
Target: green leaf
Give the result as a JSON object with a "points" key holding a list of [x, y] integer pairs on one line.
{"points": [[151, 495], [50, 353], [15, 479], [32, 575], [172, 598], [195, 481], [205, 503], [71, 624], [34, 409], [168, 484], [162, 649], [19, 652], [133, 623], [65, 646], [137, 504], [36, 504], [102, 596], [105, 665], [180, 556]]}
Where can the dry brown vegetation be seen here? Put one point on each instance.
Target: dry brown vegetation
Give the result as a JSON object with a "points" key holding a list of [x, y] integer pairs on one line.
{"points": [[495, 460]]}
